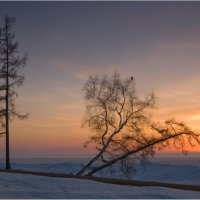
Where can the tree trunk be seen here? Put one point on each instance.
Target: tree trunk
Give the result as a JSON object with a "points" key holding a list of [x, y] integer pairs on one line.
{"points": [[132, 152], [7, 109]]}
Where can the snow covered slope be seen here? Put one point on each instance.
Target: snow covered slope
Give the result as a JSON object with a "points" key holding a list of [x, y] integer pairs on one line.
{"points": [[186, 174], [29, 186]]}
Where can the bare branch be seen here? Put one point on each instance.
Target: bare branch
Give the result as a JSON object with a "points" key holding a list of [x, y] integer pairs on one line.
{"points": [[122, 126]]}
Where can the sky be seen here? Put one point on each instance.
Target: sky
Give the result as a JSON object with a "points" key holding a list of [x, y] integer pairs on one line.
{"points": [[156, 42]]}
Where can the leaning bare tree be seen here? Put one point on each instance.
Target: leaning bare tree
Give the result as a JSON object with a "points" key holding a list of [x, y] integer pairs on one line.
{"points": [[10, 64], [123, 131]]}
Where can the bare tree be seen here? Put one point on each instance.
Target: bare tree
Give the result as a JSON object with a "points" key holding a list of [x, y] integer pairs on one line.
{"points": [[10, 64], [123, 130]]}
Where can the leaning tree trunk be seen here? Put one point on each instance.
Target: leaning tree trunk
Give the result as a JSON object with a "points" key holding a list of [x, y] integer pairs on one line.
{"points": [[112, 162]]}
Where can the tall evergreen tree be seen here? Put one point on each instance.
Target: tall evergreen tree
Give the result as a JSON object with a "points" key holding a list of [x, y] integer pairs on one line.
{"points": [[10, 64]]}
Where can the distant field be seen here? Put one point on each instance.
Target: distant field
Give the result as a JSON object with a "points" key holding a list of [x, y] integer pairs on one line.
{"points": [[175, 158]]}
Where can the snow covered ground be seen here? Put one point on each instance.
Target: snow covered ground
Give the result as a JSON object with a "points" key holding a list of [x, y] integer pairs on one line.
{"points": [[186, 174], [29, 186]]}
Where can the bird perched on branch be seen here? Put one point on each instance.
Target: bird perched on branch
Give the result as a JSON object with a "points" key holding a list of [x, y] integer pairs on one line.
{"points": [[131, 78]]}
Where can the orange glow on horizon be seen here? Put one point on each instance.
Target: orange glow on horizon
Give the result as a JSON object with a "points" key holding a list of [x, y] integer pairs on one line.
{"points": [[54, 127], [64, 136]]}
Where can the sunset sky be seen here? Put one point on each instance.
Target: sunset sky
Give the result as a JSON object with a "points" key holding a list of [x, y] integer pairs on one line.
{"points": [[156, 42]]}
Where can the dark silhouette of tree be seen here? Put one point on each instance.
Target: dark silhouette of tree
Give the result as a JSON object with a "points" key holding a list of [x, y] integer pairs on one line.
{"points": [[10, 64], [124, 131]]}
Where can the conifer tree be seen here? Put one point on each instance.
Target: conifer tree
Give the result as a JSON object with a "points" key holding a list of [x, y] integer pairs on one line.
{"points": [[10, 64]]}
